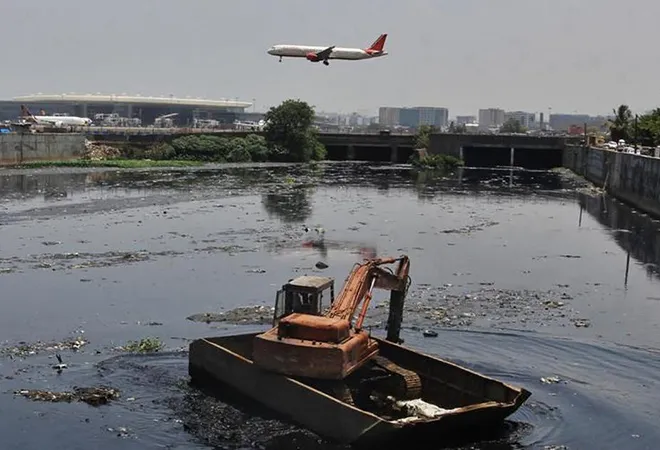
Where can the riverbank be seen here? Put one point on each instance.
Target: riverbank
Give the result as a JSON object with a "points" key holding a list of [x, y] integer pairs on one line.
{"points": [[118, 163], [630, 178]]}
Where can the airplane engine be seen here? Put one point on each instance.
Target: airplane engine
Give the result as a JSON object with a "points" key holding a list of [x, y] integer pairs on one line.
{"points": [[59, 124], [312, 57]]}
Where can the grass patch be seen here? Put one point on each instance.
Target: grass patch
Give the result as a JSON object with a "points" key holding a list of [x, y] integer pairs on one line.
{"points": [[118, 163], [436, 162]]}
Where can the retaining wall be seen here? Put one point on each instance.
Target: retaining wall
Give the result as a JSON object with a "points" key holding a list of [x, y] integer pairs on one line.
{"points": [[634, 179], [16, 148]]}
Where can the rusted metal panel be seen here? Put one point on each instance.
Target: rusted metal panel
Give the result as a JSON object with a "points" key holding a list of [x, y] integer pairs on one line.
{"points": [[312, 359], [314, 328]]}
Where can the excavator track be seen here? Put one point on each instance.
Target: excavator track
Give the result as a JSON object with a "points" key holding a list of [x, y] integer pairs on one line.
{"points": [[335, 388], [408, 384]]}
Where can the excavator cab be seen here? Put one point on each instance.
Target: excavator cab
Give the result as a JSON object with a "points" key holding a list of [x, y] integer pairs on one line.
{"points": [[306, 295]]}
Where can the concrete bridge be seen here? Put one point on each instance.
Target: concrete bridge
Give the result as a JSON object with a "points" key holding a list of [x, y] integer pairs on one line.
{"points": [[477, 150], [489, 150]]}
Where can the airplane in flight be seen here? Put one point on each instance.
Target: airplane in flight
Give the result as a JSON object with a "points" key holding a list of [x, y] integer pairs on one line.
{"points": [[57, 120], [316, 53]]}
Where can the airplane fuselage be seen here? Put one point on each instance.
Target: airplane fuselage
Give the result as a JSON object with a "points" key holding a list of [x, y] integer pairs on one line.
{"points": [[303, 51], [63, 120]]}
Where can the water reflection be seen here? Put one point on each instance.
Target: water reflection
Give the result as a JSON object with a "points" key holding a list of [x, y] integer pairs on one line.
{"points": [[292, 206], [286, 191], [636, 233], [383, 178]]}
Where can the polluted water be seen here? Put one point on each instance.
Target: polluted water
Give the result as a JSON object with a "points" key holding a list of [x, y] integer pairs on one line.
{"points": [[532, 277]]}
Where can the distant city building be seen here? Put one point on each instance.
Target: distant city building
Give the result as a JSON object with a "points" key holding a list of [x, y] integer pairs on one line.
{"points": [[437, 117], [527, 120], [414, 117], [566, 122], [491, 118], [409, 117], [388, 116], [465, 120]]}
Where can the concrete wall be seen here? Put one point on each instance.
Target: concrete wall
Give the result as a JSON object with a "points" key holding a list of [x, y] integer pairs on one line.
{"points": [[17, 147], [634, 179]]}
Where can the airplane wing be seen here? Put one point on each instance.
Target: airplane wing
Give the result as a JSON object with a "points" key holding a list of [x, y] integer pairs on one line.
{"points": [[324, 54]]}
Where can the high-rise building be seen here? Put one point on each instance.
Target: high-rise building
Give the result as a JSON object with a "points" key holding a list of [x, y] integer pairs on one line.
{"points": [[491, 118], [409, 117], [414, 117], [527, 120], [438, 117], [389, 116]]}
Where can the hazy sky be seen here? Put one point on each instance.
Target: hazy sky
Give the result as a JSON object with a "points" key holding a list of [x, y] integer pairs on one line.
{"points": [[568, 55]]}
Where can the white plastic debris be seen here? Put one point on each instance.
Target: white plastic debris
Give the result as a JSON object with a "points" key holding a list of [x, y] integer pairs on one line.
{"points": [[419, 409]]}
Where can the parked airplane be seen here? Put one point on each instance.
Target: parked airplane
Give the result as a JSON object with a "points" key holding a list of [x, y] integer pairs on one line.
{"points": [[57, 121], [316, 54]]}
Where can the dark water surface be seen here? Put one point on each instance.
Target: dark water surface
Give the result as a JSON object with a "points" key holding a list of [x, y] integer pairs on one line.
{"points": [[522, 274]]}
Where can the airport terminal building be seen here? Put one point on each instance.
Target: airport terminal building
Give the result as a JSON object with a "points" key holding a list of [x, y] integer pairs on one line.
{"points": [[184, 111]]}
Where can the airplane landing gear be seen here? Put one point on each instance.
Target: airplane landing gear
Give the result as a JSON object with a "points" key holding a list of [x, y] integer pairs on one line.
{"points": [[326, 62], [280, 59]]}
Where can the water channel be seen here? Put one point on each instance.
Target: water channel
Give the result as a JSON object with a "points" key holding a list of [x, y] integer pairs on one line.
{"points": [[524, 275]]}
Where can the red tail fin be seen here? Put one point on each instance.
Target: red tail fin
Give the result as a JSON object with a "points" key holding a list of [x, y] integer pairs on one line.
{"points": [[25, 113], [379, 43]]}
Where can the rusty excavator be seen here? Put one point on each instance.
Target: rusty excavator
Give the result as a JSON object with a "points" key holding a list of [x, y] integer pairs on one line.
{"points": [[325, 347]]}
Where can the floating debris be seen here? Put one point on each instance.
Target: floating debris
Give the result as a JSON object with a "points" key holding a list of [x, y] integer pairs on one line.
{"points": [[121, 431], [253, 315], [321, 265], [145, 345], [551, 380], [553, 304], [429, 333], [94, 396], [581, 323], [24, 349]]}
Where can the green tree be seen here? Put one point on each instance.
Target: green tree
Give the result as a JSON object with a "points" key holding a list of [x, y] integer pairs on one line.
{"points": [[512, 126], [289, 132], [648, 128], [620, 127], [423, 137], [257, 147]]}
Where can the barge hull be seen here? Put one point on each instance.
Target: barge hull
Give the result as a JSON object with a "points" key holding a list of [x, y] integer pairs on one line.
{"points": [[476, 402]]}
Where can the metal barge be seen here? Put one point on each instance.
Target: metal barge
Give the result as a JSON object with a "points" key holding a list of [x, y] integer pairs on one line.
{"points": [[397, 393]]}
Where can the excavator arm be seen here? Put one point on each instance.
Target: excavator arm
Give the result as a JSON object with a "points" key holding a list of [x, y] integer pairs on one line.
{"points": [[355, 295]]}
